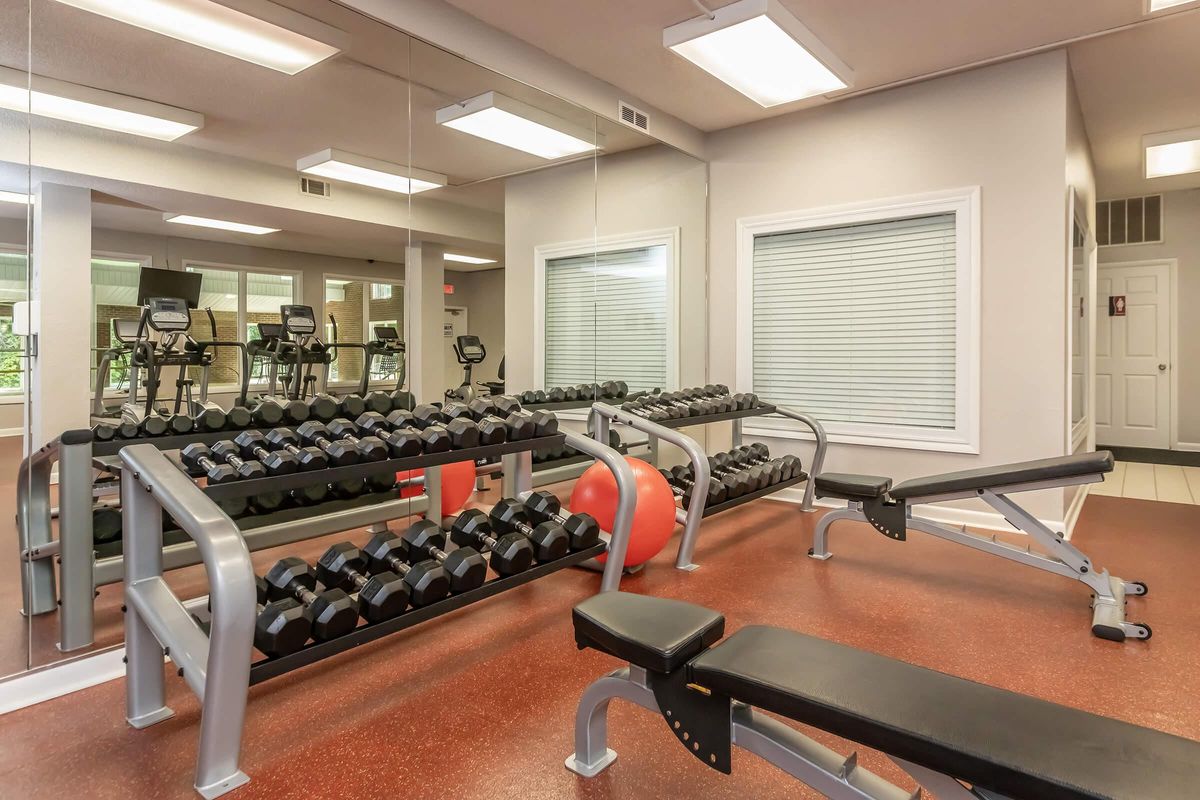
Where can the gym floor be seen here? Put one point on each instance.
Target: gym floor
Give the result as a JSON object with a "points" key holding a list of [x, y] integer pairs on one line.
{"points": [[480, 703]]}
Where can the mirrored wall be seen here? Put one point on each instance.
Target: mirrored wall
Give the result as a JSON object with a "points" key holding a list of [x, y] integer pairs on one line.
{"points": [[407, 196]]}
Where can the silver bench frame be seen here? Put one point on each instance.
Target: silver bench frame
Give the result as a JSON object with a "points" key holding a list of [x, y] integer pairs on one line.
{"points": [[1064, 558], [833, 775]]}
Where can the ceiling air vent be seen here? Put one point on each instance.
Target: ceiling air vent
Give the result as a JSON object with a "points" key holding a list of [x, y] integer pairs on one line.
{"points": [[634, 118], [1132, 220], [314, 187]]}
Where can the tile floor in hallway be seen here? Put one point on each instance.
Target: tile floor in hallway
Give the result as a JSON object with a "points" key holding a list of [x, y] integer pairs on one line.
{"points": [[1166, 482]]}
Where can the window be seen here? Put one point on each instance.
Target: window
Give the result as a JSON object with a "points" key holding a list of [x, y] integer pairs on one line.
{"points": [[358, 305], [607, 311], [114, 297], [12, 347], [866, 318], [239, 299]]}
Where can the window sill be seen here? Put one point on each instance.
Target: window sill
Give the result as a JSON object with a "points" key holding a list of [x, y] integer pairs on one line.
{"points": [[7, 399], [788, 430]]}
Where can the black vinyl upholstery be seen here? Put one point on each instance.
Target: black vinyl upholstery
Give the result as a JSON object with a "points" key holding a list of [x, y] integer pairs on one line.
{"points": [[1009, 743], [849, 486], [1046, 469], [658, 634]]}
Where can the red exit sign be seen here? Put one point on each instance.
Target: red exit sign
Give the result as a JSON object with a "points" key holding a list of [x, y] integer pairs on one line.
{"points": [[447, 288]]}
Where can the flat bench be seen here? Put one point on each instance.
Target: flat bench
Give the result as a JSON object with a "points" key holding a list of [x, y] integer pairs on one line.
{"points": [[889, 510], [947, 732]]}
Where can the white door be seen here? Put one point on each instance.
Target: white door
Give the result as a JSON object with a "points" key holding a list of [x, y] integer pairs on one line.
{"points": [[1133, 370], [454, 325]]}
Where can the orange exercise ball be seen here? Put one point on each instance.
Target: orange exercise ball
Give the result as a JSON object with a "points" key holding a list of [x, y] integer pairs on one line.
{"points": [[653, 519], [458, 483]]}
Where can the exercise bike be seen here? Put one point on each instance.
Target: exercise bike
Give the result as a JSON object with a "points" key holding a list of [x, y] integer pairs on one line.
{"points": [[469, 351]]}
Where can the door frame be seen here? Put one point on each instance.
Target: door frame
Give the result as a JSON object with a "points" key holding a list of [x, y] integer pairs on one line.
{"points": [[1172, 265]]}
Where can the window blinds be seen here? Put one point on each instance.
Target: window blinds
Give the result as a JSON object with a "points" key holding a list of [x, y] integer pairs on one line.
{"points": [[607, 318], [857, 323]]}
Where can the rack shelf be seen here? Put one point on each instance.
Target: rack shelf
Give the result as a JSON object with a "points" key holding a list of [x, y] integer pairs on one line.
{"points": [[685, 422], [755, 495], [266, 669]]}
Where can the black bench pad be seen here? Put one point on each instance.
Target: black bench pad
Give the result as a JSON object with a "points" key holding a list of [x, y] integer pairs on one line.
{"points": [[848, 486], [1009, 743], [652, 632], [1045, 469]]}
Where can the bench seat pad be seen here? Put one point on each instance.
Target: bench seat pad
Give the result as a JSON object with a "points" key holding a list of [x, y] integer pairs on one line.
{"points": [[656, 633], [1010, 743], [1045, 469], [848, 486]]}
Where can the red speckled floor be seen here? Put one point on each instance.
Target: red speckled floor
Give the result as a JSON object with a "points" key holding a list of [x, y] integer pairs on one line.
{"points": [[479, 704]]}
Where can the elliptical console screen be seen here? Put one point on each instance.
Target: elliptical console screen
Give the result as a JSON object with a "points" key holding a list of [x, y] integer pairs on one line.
{"points": [[298, 320], [168, 314]]}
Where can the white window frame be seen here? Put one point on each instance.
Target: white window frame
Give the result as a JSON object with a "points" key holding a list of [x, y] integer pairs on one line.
{"points": [[243, 270], [366, 312], [15, 396], [964, 203], [662, 237], [142, 261]]}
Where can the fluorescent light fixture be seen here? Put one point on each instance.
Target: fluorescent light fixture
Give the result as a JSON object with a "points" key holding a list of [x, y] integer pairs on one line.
{"points": [[1172, 153], [16, 197], [338, 165], [1159, 5], [83, 105], [268, 35], [760, 49], [468, 259], [219, 224], [514, 124]]}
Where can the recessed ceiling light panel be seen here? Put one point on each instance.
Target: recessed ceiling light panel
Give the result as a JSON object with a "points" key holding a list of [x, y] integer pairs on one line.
{"points": [[338, 165], [219, 224], [514, 124], [1172, 153], [267, 34], [84, 105], [1159, 5], [760, 49], [16, 197], [468, 259]]}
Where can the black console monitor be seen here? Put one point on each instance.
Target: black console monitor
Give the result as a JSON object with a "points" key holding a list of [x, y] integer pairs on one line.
{"points": [[386, 333], [169, 283], [470, 350], [298, 320], [168, 314]]}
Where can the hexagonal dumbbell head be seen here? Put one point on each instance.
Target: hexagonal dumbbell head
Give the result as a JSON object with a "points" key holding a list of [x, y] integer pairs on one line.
{"points": [[455, 410], [372, 423], [463, 432], [247, 469], [582, 529], [403, 443], [549, 540], [505, 405], [331, 613], [381, 596], [285, 439], [281, 628], [194, 453], [370, 448], [519, 426], [427, 581], [465, 566], [435, 439], [323, 407], [401, 418], [277, 462], [339, 453], [481, 407], [209, 420], [426, 414], [380, 402], [492, 430], [509, 554], [351, 406]]}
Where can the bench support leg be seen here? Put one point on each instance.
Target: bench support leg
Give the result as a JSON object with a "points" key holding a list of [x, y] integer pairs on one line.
{"points": [[592, 755], [820, 548]]}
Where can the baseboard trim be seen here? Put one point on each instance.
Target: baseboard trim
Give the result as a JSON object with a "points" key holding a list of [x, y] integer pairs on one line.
{"points": [[55, 680], [1187, 447], [949, 515], [1072, 515], [19, 431]]}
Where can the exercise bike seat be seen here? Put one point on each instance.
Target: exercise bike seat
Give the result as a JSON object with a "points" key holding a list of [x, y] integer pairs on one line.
{"points": [[655, 633], [847, 486]]}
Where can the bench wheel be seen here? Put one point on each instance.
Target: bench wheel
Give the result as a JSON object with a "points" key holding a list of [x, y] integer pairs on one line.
{"points": [[1142, 630], [1137, 588]]}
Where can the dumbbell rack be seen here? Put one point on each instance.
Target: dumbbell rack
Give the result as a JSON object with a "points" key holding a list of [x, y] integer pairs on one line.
{"points": [[697, 509], [218, 666]]}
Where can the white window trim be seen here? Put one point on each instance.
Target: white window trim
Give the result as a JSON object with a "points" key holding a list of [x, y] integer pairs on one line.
{"points": [[242, 269], [326, 276], [14, 396], [668, 237], [965, 204], [142, 261]]}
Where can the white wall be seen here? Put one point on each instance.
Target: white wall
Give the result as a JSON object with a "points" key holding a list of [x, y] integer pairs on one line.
{"points": [[482, 294], [1181, 240], [1001, 128]]}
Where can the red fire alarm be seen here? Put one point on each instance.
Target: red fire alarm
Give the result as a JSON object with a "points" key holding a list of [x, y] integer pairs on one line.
{"points": [[1116, 305], [447, 288]]}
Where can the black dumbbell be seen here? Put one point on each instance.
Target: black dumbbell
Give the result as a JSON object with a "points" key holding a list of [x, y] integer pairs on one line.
{"points": [[549, 540], [266, 414], [465, 566], [295, 411], [402, 442], [582, 529], [614, 390], [238, 417], [198, 459], [758, 453], [402, 400], [128, 430], [103, 432], [348, 488], [179, 425], [230, 453], [433, 435], [210, 420], [381, 595], [652, 414], [285, 440], [331, 612], [379, 402], [370, 448], [106, 524], [309, 495], [270, 500], [743, 479], [508, 554], [152, 425], [774, 470], [427, 581], [281, 627], [276, 462], [682, 486], [735, 485], [760, 476], [322, 407], [339, 453]]}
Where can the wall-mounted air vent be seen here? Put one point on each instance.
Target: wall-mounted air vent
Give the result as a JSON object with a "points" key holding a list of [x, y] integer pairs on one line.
{"points": [[314, 187], [633, 117], [1133, 220]]}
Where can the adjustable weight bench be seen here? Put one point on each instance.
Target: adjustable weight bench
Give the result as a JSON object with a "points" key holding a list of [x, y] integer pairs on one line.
{"points": [[888, 509], [946, 732]]}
